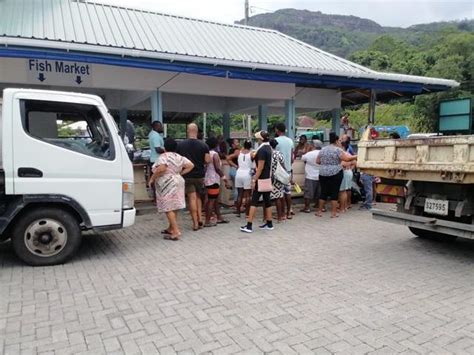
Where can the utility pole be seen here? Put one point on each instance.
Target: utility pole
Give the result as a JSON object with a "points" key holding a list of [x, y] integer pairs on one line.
{"points": [[247, 10], [249, 126]]}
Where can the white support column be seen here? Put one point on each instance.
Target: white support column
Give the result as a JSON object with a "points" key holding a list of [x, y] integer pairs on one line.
{"points": [[156, 106], [290, 117], [263, 117]]}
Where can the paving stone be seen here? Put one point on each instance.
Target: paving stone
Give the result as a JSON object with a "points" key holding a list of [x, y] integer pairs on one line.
{"points": [[351, 285]]}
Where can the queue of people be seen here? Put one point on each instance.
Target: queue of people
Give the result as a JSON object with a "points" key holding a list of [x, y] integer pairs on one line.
{"points": [[192, 169]]}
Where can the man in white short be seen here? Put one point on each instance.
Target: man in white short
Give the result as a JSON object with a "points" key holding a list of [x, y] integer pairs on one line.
{"points": [[312, 188]]}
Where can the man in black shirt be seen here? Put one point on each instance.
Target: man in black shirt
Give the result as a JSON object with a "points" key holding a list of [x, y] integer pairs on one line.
{"points": [[198, 152], [261, 183]]}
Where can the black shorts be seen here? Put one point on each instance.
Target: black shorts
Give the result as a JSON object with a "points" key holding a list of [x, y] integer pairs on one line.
{"points": [[256, 197], [193, 185], [330, 186]]}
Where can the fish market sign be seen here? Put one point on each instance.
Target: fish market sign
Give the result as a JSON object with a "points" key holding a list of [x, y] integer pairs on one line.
{"points": [[58, 72]]}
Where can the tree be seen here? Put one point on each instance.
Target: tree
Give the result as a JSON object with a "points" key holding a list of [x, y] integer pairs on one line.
{"points": [[450, 67], [372, 59], [426, 112]]}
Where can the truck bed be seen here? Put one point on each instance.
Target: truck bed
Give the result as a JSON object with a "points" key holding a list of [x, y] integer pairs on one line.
{"points": [[448, 159]]}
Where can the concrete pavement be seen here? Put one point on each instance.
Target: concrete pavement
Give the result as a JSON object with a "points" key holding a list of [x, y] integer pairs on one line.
{"points": [[313, 285]]}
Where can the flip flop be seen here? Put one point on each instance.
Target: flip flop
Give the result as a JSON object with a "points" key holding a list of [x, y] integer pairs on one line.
{"points": [[165, 231], [171, 237]]}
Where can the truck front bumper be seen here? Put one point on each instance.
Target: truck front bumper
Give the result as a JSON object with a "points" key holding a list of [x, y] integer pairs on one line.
{"points": [[128, 217], [427, 223]]}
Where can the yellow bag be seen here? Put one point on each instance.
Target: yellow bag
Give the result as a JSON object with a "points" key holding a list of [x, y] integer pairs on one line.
{"points": [[298, 188]]}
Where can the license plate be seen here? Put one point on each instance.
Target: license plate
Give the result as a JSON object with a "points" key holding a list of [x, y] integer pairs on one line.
{"points": [[439, 207]]}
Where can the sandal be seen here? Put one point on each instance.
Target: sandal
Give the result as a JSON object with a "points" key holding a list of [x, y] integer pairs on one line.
{"points": [[289, 216], [318, 214], [200, 225], [222, 221], [165, 231], [172, 237], [336, 216], [208, 225]]}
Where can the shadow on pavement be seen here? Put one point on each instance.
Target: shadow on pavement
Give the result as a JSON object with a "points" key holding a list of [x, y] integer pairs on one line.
{"points": [[97, 245], [7, 255], [459, 248]]}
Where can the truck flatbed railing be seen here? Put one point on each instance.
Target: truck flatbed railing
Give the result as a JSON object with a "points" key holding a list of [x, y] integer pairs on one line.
{"points": [[438, 159]]}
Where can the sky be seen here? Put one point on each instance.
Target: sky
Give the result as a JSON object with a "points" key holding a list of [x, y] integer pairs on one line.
{"points": [[398, 13]]}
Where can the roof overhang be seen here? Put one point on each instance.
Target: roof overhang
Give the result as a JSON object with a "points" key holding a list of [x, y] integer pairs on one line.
{"points": [[388, 85]]}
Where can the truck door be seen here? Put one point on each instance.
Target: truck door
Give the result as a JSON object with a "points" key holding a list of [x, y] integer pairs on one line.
{"points": [[67, 145]]}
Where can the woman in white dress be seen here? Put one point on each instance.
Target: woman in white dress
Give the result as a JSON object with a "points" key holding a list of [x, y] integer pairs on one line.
{"points": [[243, 178]]}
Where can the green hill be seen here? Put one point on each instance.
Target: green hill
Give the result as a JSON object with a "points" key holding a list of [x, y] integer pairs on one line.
{"points": [[441, 49], [343, 35]]}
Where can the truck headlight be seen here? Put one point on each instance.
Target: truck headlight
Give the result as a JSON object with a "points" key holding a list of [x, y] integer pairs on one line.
{"points": [[128, 199]]}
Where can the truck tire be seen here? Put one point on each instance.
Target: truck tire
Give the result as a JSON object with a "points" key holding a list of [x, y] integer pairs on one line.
{"points": [[46, 236], [426, 234]]}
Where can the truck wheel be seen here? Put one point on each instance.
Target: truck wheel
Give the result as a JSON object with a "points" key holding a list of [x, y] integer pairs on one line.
{"points": [[425, 234], [46, 236]]}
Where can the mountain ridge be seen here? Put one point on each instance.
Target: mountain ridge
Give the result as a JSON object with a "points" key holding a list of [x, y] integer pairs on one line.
{"points": [[345, 34]]}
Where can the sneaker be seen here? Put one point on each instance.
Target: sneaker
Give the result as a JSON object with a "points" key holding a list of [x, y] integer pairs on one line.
{"points": [[266, 227], [246, 230], [365, 208]]}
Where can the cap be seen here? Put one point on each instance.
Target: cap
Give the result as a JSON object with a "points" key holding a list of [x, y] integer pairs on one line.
{"points": [[317, 143], [262, 135]]}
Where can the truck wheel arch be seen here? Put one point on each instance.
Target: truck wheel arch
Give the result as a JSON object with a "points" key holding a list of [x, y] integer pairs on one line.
{"points": [[27, 203]]}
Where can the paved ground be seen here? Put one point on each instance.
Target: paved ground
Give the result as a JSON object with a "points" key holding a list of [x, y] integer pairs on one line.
{"points": [[321, 286]]}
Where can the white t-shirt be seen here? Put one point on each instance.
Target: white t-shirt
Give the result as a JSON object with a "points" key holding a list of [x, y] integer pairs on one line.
{"points": [[311, 169]]}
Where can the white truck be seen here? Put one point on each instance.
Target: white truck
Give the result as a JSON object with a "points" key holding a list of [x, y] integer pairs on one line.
{"points": [[63, 170], [439, 177]]}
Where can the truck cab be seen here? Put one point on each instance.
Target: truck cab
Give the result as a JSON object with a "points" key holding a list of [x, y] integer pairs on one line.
{"points": [[64, 169]]}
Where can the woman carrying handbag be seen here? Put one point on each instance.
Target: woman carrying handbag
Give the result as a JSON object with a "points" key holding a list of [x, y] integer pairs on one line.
{"points": [[261, 183]]}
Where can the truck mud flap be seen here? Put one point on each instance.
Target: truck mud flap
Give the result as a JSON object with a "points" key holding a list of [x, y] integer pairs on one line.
{"points": [[428, 223]]}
